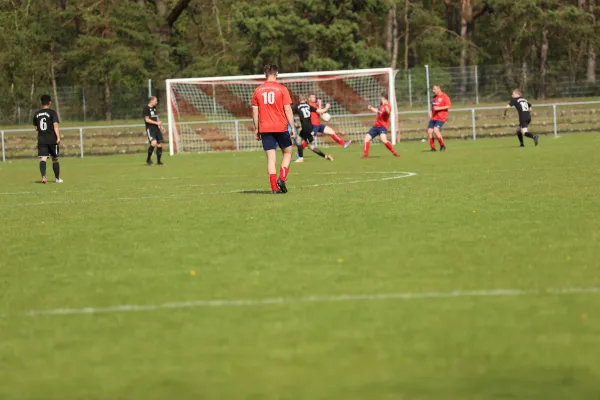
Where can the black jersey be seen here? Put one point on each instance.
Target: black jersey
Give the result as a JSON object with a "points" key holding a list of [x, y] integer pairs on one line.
{"points": [[153, 114], [304, 110], [522, 106], [44, 121]]}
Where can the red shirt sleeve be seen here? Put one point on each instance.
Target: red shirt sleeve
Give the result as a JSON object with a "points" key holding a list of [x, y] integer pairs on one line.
{"points": [[286, 97], [255, 99], [388, 108]]}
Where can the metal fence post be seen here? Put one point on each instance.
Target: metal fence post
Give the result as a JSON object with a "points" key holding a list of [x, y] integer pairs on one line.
{"points": [[410, 89], [428, 91], [149, 87], [3, 152], [81, 141], [473, 123], [237, 135], [555, 123], [476, 85], [83, 103]]}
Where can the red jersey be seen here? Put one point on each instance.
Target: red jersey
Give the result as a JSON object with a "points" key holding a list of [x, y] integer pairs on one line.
{"points": [[315, 119], [383, 116], [441, 100], [270, 98]]}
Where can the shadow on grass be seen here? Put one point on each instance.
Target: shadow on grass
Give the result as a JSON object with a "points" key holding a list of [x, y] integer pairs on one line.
{"points": [[254, 192]]}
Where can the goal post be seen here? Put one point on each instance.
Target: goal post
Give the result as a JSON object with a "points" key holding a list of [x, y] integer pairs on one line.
{"points": [[215, 113]]}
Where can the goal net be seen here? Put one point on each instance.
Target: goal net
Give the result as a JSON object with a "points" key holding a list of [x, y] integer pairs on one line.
{"points": [[215, 114]]}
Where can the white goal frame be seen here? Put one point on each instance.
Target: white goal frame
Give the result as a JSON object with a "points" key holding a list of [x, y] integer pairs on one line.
{"points": [[391, 92]]}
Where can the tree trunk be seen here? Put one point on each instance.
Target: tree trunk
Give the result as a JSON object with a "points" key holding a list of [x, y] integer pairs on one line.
{"points": [[591, 61], [543, 63], [394, 37], [219, 29], [449, 17], [389, 31], [406, 33], [465, 19], [55, 101], [107, 99]]}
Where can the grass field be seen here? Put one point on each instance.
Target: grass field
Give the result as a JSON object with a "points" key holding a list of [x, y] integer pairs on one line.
{"points": [[470, 274]]}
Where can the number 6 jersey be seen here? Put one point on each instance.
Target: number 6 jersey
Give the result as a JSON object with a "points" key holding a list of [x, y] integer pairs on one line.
{"points": [[44, 121]]}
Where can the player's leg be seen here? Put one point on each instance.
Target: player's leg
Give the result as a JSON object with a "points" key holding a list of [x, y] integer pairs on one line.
{"points": [[54, 151], [388, 144], [373, 133], [430, 134], [284, 141], [438, 134], [159, 147], [319, 152], [269, 146], [525, 129], [153, 144], [520, 136], [327, 130], [43, 154]]}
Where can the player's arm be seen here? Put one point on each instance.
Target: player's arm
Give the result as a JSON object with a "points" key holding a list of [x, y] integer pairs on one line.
{"points": [[149, 121], [255, 120], [506, 109], [290, 117], [372, 109], [320, 110], [57, 131]]}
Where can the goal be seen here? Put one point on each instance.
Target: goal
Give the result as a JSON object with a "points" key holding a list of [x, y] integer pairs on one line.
{"points": [[213, 114]]}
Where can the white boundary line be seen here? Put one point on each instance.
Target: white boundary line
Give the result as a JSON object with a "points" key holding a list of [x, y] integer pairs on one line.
{"points": [[170, 196], [303, 300]]}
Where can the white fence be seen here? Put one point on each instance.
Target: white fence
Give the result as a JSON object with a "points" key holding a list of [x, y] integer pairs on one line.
{"points": [[464, 122]]}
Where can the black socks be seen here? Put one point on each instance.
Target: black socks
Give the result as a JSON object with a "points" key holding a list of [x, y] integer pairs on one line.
{"points": [[150, 152], [56, 169], [43, 168], [158, 153], [319, 152], [300, 150]]}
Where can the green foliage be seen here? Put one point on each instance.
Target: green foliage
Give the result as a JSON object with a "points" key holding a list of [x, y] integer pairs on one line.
{"points": [[119, 44]]}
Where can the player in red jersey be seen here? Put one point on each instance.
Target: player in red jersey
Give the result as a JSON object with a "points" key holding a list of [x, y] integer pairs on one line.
{"points": [[315, 119], [382, 124], [439, 115], [272, 114]]}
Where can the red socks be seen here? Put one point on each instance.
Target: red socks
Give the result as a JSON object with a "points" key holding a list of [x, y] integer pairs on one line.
{"points": [[367, 147], [304, 145], [273, 179], [337, 139], [441, 140], [391, 148], [432, 142], [283, 173]]}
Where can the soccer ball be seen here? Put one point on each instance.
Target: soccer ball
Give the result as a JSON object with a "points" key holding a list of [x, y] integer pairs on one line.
{"points": [[326, 117]]}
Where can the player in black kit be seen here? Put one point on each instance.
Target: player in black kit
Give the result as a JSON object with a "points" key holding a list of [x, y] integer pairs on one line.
{"points": [[154, 130], [46, 126], [303, 109], [524, 109]]}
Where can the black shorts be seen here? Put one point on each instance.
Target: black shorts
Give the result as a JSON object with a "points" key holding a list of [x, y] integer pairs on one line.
{"points": [[524, 122], [155, 135], [48, 150], [271, 140], [307, 135]]}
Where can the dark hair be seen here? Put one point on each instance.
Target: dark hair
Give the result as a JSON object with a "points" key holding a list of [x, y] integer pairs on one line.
{"points": [[151, 98], [46, 99], [270, 69], [385, 95]]}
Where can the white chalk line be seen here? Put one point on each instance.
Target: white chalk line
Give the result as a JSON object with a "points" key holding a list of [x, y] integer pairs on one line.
{"points": [[170, 196], [219, 303]]}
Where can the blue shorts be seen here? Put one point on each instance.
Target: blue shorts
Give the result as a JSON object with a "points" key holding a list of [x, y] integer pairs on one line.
{"points": [[375, 131], [433, 123], [318, 129], [270, 140]]}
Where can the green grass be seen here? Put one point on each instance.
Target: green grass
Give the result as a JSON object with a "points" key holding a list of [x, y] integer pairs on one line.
{"points": [[483, 216]]}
